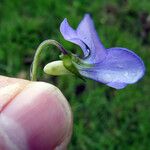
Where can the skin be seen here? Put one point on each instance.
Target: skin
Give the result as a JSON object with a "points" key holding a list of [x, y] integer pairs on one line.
{"points": [[33, 116]]}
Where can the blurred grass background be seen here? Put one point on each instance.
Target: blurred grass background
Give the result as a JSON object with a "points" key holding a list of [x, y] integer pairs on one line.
{"points": [[104, 118]]}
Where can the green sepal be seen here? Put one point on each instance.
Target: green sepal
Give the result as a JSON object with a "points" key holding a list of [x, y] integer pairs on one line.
{"points": [[68, 62]]}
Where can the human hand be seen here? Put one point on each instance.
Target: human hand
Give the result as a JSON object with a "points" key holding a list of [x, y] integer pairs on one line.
{"points": [[33, 116]]}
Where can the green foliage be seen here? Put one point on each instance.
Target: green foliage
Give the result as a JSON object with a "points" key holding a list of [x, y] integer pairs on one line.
{"points": [[103, 118]]}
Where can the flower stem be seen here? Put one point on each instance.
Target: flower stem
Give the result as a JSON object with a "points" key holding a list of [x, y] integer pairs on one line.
{"points": [[43, 45]]}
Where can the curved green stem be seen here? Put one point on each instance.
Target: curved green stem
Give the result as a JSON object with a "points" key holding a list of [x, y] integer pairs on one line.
{"points": [[42, 46]]}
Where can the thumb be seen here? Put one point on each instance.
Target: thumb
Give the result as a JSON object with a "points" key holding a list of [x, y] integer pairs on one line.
{"points": [[33, 116]]}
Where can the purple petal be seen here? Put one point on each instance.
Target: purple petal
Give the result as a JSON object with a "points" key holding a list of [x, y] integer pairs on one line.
{"points": [[86, 37], [121, 67], [70, 34]]}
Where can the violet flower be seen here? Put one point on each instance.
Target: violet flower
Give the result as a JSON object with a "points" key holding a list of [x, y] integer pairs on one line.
{"points": [[115, 67]]}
